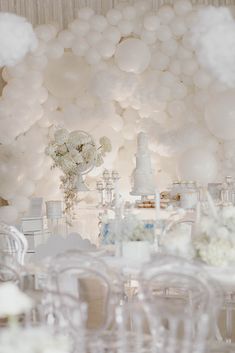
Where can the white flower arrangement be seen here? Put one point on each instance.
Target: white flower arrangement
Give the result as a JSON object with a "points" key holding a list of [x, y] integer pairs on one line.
{"points": [[18, 339], [33, 340], [214, 240], [12, 301], [75, 153]]}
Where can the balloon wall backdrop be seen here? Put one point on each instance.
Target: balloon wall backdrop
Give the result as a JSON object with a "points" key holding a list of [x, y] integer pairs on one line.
{"points": [[132, 70]]}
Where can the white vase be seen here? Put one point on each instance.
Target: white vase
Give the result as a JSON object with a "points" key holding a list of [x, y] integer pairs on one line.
{"points": [[136, 250]]}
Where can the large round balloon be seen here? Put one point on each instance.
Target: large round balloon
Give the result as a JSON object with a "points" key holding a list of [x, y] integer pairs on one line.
{"points": [[67, 77], [133, 55], [220, 115], [198, 164]]}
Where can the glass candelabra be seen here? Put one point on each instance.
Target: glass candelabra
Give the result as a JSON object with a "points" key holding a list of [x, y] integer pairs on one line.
{"points": [[107, 188]]}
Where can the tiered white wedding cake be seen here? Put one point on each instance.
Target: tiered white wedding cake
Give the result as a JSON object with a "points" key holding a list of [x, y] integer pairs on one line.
{"points": [[143, 177]]}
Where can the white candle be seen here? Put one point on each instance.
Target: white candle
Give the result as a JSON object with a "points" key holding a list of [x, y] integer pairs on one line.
{"points": [[157, 204], [211, 204]]}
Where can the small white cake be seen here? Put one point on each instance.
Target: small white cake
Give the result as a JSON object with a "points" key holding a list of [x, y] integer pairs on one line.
{"points": [[143, 177]]}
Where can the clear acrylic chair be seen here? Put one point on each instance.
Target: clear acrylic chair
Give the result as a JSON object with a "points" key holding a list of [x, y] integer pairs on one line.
{"points": [[13, 242], [10, 269], [182, 303], [89, 280]]}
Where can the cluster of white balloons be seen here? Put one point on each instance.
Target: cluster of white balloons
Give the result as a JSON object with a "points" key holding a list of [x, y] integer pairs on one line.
{"points": [[132, 70]]}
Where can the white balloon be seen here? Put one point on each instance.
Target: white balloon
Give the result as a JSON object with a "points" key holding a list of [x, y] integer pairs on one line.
{"points": [[21, 203], [114, 16], [79, 46], [125, 27], [129, 13], [46, 32], [66, 38], [166, 14], [66, 77], [98, 23], [175, 67], [106, 48], [164, 33], [176, 108], [92, 56], [201, 79], [79, 27], [151, 22], [160, 61], [85, 13], [189, 66], [198, 164], [132, 55], [93, 37], [112, 34], [178, 27], [149, 37], [55, 50], [182, 7], [169, 47], [220, 115], [8, 214]]}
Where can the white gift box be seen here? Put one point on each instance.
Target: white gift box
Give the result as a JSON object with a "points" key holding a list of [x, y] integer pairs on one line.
{"points": [[33, 224]]}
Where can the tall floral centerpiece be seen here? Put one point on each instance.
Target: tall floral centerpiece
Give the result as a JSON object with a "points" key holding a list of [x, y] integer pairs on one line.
{"points": [[75, 153]]}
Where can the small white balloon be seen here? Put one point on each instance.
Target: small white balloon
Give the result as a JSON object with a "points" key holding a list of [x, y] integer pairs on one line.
{"points": [[160, 61], [166, 14], [129, 13], [164, 33], [93, 37], [79, 46], [46, 32], [85, 13], [178, 27], [125, 27], [132, 55], [114, 16], [66, 38], [220, 115], [79, 27], [169, 47], [201, 79], [55, 50], [98, 23], [92, 56], [149, 37], [106, 48], [113, 34], [182, 7], [8, 214], [151, 22]]}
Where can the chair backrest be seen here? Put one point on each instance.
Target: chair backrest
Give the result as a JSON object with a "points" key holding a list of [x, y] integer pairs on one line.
{"points": [[10, 269], [88, 279], [185, 302], [13, 242]]}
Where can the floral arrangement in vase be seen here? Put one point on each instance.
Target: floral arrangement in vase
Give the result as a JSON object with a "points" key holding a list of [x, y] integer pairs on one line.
{"points": [[214, 240], [126, 229], [211, 240], [75, 153], [15, 338]]}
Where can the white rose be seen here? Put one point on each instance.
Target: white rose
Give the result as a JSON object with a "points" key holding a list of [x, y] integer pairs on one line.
{"points": [[61, 136], [76, 156]]}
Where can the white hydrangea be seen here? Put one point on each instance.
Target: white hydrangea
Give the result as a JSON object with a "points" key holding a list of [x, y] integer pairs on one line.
{"points": [[216, 251], [61, 136], [78, 138], [76, 156], [68, 165]]}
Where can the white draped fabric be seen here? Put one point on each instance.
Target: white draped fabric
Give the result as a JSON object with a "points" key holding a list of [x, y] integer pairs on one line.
{"points": [[63, 11]]}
